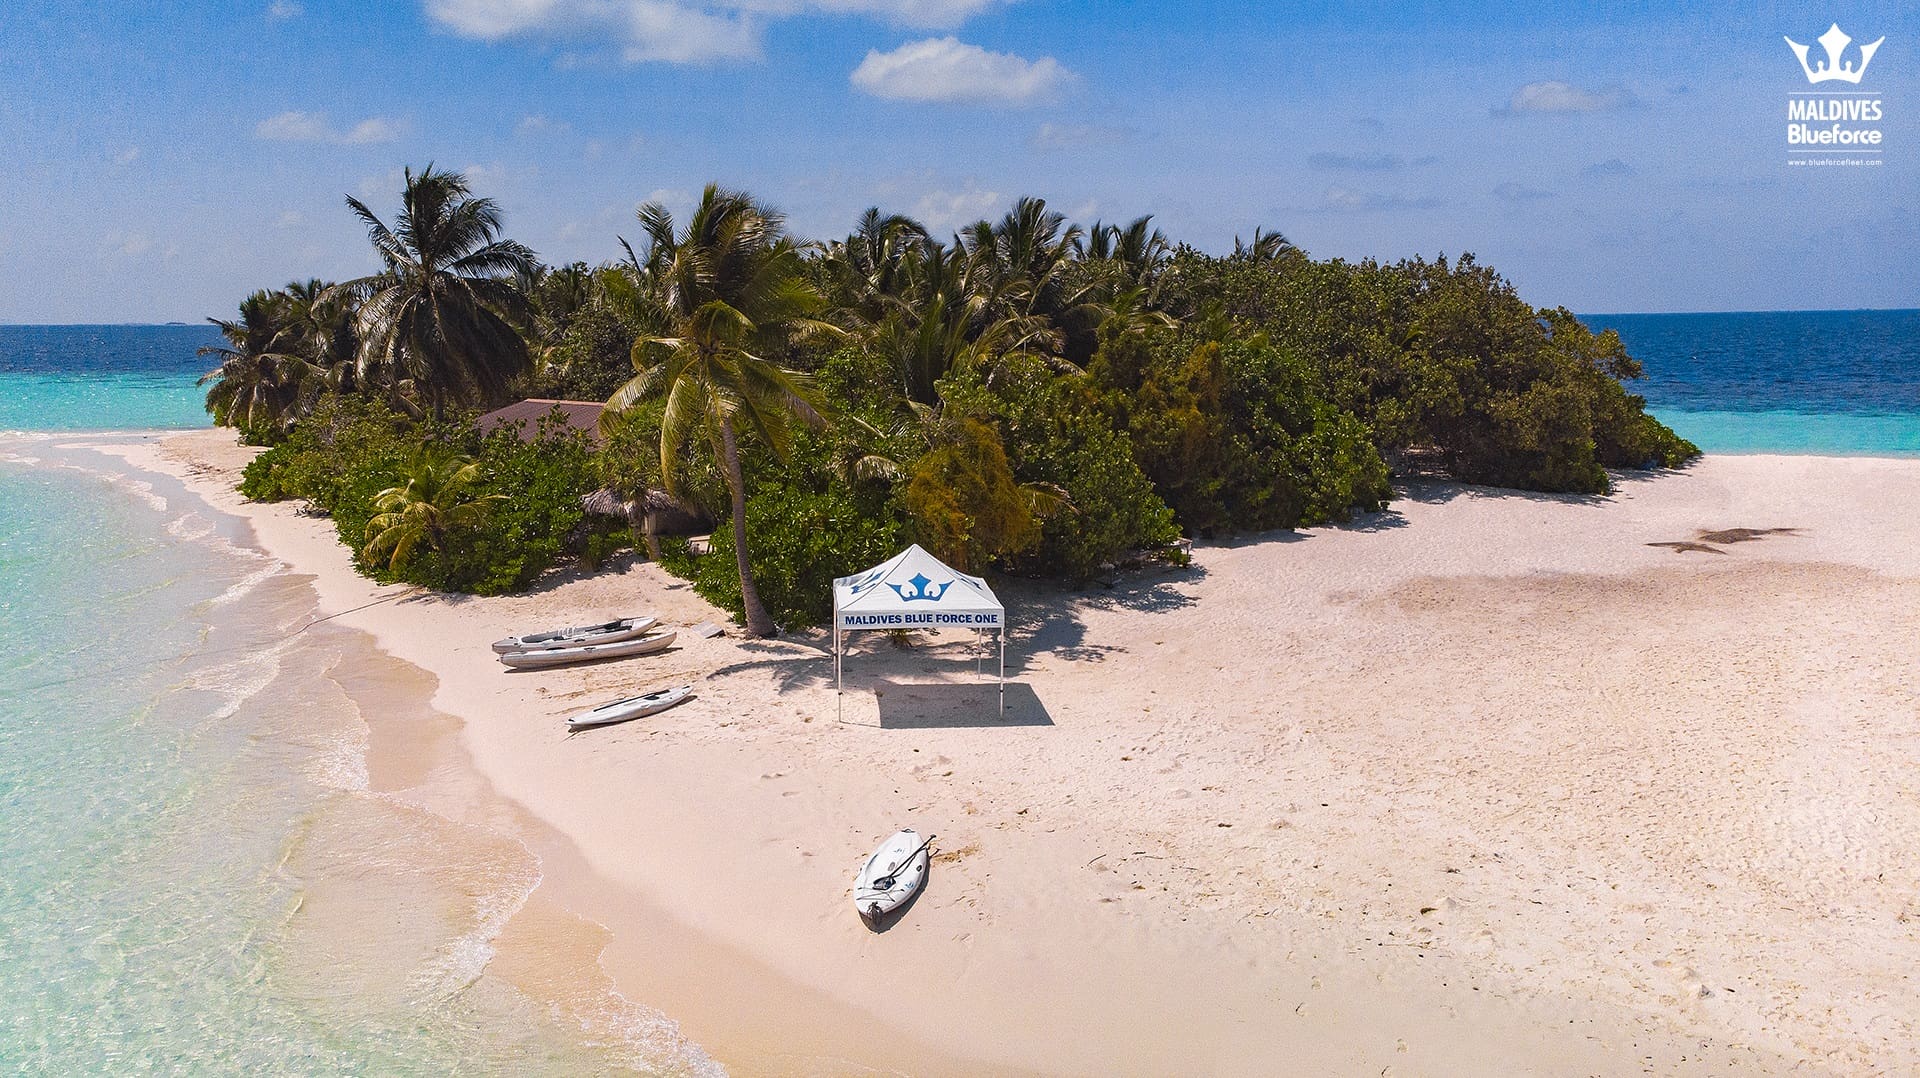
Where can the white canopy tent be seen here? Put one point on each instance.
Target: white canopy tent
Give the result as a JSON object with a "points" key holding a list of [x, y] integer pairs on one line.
{"points": [[915, 590]]}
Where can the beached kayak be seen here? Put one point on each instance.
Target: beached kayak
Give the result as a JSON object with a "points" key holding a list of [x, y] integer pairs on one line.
{"points": [[645, 645], [577, 636], [633, 707], [895, 871]]}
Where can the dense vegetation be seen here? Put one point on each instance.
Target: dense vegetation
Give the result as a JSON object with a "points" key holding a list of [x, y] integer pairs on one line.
{"points": [[1027, 395]]}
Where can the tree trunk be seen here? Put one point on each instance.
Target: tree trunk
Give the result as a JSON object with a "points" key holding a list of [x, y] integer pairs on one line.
{"points": [[650, 534], [759, 622]]}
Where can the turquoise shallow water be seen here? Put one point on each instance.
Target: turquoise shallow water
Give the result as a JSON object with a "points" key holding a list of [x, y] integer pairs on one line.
{"points": [[197, 879], [103, 377], [1891, 435]]}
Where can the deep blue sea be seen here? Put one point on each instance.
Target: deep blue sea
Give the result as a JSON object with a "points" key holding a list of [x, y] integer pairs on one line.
{"points": [[1828, 382], [103, 377]]}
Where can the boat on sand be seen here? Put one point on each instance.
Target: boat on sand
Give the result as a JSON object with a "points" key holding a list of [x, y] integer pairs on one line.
{"points": [[643, 645], [633, 707], [576, 636], [891, 876]]}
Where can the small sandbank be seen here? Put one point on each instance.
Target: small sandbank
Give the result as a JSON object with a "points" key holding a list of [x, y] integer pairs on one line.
{"points": [[1486, 783]]}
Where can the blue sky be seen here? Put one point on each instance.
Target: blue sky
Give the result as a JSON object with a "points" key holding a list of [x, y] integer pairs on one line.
{"points": [[1606, 157]]}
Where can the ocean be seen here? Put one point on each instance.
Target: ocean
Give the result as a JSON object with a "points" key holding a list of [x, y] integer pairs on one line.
{"points": [[199, 876], [1843, 383]]}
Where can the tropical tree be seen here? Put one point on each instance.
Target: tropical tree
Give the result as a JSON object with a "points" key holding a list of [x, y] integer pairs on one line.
{"points": [[262, 376], [321, 320], [444, 309], [952, 475], [435, 502], [734, 289], [1266, 247]]}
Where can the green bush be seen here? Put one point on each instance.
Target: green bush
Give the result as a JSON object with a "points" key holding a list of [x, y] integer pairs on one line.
{"points": [[1056, 433], [1446, 357], [798, 541], [592, 359], [1238, 436], [351, 448]]}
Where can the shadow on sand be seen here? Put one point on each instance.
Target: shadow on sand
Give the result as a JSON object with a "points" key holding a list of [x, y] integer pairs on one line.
{"points": [[946, 705]]}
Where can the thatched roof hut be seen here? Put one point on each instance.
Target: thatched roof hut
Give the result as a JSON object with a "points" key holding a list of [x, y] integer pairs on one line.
{"points": [[655, 512]]}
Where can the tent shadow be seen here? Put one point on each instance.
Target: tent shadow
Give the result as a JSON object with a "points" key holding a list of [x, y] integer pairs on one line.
{"points": [[956, 705]]}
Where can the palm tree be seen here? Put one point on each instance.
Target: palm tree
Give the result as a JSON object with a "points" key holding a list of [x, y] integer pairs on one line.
{"points": [[734, 290], [444, 308], [433, 503], [322, 321], [1266, 247], [262, 375]]}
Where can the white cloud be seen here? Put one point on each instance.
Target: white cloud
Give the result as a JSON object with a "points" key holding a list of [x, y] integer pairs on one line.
{"points": [[537, 124], [1049, 137], [127, 156], [386, 185], [373, 129], [645, 29], [947, 69], [677, 35], [945, 211], [127, 244], [1348, 200], [1366, 162], [296, 126], [927, 14], [284, 9], [483, 177], [677, 31], [1565, 97], [290, 219], [491, 20]]}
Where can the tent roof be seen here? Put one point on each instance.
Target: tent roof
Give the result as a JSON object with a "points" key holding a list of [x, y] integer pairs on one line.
{"points": [[914, 583]]}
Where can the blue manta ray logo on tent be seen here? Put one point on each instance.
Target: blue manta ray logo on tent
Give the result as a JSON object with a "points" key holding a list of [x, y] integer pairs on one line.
{"points": [[922, 589]]}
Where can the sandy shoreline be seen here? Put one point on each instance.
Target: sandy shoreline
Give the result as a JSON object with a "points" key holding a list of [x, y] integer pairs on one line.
{"points": [[1482, 783]]}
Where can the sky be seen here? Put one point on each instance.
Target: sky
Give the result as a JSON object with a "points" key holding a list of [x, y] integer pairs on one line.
{"points": [[159, 165]]}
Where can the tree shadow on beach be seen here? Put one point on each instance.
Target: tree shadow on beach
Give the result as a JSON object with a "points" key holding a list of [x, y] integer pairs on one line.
{"points": [[1051, 619], [1435, 489]]}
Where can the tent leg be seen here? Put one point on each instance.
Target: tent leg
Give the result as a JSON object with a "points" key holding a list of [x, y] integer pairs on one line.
{"points": [[1003, 669], [839, 698]]}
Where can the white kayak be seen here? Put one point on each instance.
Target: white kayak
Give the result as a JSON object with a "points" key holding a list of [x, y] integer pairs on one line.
{"points": [[895, 871], [633, 707], [576, 636], [645, 645]]}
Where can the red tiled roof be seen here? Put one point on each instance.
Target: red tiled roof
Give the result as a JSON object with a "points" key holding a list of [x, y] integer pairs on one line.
{"points": [[582, 416]]}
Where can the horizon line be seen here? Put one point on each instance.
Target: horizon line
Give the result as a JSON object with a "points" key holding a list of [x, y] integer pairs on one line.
{"points": [[1581, 314]]}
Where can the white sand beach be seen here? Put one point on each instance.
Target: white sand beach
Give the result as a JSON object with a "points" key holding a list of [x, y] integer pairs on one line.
{"points": [[1482, 784]]}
